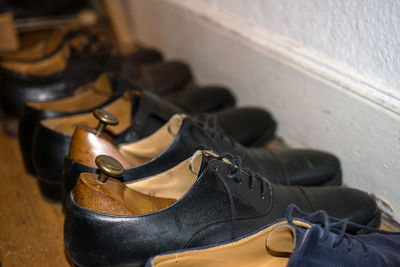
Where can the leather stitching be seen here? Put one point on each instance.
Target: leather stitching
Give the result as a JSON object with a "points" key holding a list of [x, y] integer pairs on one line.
{"points": [[282, 167], [306, 196]]}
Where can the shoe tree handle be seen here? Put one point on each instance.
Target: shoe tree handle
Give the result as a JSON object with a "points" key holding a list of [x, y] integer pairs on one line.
{"points": [[105, 118], [109, 167]]}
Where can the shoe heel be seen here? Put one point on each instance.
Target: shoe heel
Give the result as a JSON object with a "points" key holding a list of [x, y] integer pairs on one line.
{"points": [[10, 127], [26, 157], [51, 192]]}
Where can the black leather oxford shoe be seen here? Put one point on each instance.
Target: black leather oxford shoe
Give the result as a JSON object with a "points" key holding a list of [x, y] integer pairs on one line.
{"points": [[180, 138], [216, 201], [140, 114]]}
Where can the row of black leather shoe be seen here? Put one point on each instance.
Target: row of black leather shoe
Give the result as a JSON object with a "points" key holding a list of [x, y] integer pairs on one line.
{"points": [[146, 161]]}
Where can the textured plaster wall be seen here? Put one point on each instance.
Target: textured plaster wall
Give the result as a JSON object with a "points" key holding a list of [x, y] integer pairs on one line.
{"points": [[364, 34]]}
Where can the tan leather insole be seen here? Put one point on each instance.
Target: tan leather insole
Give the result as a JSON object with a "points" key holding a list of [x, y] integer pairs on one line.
{"points": [[250, 251], [120, 108], [86, 97], [113, 197], [47, 66], [173, 183], [44, 47], [150, 147]]}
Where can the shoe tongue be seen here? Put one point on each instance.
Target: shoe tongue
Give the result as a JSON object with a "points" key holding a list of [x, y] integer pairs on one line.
{"points": [[200, 159], [175, 124], [281, 241], [198, 162]]}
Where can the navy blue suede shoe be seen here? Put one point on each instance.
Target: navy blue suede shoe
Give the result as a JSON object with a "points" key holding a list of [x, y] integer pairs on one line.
{"points": [[314, 239]]}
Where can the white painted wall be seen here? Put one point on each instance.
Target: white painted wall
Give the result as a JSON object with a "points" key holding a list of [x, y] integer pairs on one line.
{"points": [[322, 95], [365, 34]]}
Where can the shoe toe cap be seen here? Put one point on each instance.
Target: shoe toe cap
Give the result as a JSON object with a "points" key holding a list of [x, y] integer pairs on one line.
{"points": [[310, 167], [345, 203], [249, 126]]}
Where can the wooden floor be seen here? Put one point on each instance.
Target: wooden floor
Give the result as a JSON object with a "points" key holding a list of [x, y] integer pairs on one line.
{"points": [[31, 229]]}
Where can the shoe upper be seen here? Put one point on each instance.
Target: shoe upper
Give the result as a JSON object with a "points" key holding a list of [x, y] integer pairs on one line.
{"points": [[225, 202], [195, 99], [262, 125], [165, 78], [294, 242]]}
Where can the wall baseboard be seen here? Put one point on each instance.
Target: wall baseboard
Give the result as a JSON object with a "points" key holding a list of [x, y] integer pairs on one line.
{"points": [[317, 102]]}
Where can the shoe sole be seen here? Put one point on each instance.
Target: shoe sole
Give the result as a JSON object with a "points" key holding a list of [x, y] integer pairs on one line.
{"points": [[10, 127]]}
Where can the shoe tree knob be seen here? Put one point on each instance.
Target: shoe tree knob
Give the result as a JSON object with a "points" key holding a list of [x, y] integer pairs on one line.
{"points": [[109, 167], [105, 118]]}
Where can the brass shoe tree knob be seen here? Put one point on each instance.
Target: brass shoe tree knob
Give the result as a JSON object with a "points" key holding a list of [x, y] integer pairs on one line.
{"points": [[105, 118], [109, 167]]}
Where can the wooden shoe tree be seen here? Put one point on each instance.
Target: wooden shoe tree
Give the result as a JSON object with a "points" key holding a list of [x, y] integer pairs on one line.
{"points": [[87, 143], [86, 97], [106, 195]]}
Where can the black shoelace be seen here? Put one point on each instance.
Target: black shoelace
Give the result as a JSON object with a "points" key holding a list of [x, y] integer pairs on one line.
{"points": [[235, 172], [209, 124], [336, 228]]}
